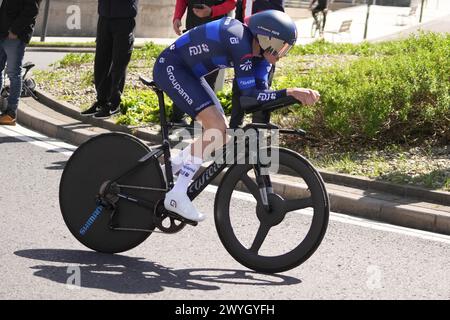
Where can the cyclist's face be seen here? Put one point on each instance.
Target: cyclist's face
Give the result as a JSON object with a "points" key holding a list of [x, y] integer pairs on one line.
{"points": [[270, 58]]}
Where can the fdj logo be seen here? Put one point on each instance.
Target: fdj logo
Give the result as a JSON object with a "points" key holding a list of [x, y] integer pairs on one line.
{"points": [[247, 65], [196, 50], [267, 96]]}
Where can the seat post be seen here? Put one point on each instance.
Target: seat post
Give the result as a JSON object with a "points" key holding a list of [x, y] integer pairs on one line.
{"points": [[165, 136], [162, 115]]}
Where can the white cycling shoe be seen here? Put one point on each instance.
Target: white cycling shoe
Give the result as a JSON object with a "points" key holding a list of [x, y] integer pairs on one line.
{"points": [[180, 204]]}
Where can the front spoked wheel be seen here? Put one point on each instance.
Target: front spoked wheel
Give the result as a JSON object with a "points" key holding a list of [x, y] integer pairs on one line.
{"points": [[283, 237]]}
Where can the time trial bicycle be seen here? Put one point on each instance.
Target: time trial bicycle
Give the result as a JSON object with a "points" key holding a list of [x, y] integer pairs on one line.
{"points": [[112, 192]]}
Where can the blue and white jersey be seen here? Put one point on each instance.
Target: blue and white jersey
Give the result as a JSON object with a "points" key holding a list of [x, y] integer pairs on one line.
{"points": [[224, 43]]}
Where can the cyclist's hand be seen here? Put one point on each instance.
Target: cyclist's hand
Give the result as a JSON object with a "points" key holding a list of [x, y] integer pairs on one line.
{"points": [[305, 96], [203, 13], [12, 36], [177, 26]]}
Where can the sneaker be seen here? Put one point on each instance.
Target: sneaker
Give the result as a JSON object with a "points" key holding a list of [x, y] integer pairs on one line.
{"points": [[114, 110], [92, 110], [7, 120], [180, 204], [106, 112]]}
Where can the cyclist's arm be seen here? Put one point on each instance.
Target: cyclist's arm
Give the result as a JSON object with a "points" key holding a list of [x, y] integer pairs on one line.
{"points": [[262, 94], [262, 70], [253, 81]]}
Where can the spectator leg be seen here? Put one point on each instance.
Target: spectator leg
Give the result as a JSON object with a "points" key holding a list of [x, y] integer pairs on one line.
{"points": [[2, 63], [103, 59], [15, 51], [123, 41]]}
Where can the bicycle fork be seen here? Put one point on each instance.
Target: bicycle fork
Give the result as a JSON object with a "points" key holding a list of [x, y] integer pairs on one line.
{"points": [[262, 180]]}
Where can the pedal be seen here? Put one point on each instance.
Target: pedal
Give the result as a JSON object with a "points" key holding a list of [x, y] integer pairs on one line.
{"points": [[180, 218]]}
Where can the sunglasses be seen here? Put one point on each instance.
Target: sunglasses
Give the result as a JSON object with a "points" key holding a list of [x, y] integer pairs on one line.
{"points": [[273, 46]]}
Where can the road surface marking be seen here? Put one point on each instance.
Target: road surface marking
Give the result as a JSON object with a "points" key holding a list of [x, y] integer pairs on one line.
{"points": [[38, 139], [343, 218]]}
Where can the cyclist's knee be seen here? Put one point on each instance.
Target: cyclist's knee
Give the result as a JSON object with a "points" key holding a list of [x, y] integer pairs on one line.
{"points": [[214, 125], [212, 118]]}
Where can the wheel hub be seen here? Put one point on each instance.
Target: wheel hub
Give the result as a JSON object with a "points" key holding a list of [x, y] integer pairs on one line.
{"points": [[108, 192], [276, 213]]}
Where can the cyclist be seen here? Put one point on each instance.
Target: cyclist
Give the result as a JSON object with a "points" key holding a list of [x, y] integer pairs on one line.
{"points": [[180, 69], [322, 6]]}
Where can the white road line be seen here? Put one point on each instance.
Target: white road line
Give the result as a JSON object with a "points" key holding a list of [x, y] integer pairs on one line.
{"points": [[339, 217], [42, 141], [37, 139]]}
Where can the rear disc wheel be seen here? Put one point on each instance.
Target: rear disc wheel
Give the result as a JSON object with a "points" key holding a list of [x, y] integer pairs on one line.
{"points": [[92, 165]]}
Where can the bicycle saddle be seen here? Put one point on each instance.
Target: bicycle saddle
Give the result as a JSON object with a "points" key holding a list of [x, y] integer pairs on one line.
{"points": [[28, 65], [149, 83]]}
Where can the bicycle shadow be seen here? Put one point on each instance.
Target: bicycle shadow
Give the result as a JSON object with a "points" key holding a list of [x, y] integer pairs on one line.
{"points": [[132, 275], [58, 165]]}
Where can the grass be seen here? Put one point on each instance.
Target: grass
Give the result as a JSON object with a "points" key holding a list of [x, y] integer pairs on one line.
{"points": [[378, 102], [399, 164]]}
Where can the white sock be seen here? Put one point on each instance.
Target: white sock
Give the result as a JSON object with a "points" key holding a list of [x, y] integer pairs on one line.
{"points": [[178, 160], [187, 172]]}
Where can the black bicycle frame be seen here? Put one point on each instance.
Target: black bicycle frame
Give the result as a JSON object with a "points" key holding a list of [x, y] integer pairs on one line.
{"points": [[213, 170], [194, 189]]}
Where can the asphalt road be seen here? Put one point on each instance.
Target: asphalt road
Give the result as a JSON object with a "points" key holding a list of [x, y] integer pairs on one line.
{"points": [[441, 25], [42, 60], [40, 259]]}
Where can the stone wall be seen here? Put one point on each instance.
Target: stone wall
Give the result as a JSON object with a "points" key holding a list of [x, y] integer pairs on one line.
{"points": [[78, 18]]}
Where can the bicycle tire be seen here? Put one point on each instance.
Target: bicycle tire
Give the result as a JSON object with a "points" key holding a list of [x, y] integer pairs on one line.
{"points": [[301, 252], [103, 158]]}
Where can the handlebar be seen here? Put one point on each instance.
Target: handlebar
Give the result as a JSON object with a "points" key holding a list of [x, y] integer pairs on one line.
{"points": [[250, 104]]}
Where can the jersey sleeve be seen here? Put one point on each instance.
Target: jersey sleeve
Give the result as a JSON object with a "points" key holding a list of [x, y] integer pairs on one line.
{"points": [[262, 69]]}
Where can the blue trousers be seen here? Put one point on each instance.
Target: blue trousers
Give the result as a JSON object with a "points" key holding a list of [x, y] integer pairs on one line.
{"points": [[11, 57]]}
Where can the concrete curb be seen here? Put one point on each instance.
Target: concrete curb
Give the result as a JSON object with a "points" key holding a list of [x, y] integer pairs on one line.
{"points": [[61, 49], [61, 120], [151, 134]]}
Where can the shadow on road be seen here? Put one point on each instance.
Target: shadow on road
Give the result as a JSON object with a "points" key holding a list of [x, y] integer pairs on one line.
{"points": [[58, 165], [122, 274]]}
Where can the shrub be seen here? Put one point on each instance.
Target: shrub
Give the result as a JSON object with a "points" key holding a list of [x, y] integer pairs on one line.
{"points": [[75, 59], [400, 95]]}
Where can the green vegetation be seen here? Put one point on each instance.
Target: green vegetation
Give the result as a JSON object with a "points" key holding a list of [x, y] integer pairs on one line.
{"points": [[75, 60], [420, 166], [374, 97], [393, 92]]}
